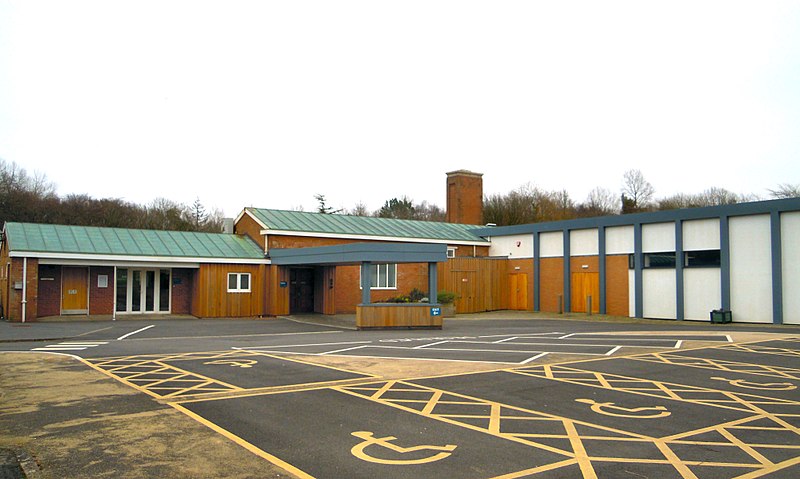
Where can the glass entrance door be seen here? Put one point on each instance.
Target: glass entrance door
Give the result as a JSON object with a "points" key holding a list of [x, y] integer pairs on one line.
{"points": [[143, 290]]}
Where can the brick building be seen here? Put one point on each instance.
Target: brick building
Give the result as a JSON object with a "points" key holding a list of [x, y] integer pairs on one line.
{"points": [[677, 264]]}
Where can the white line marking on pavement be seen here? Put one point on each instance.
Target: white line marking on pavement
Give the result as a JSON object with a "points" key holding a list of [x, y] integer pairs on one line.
{"points": [[567, 335], [342, 350], [429, 344], [534, 358], [504, 340], [299, 345], [678, 344], [612, 351], [134, 332], [730, 340]]}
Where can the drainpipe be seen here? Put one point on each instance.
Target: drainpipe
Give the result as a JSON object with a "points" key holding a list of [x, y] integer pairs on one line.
{"points": [[24, 287], [114, 310]]}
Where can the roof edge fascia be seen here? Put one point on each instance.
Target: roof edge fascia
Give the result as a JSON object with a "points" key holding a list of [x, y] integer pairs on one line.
{"points": [[393, 239], [136, 259]]}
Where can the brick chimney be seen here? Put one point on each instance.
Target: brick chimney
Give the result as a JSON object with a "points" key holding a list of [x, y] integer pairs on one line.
{"points": [[465, 197]]}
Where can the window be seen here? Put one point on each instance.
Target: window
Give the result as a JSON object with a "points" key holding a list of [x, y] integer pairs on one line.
{"points": [[384, 276], [655, 260], [238, 282], [451, 252], [702, 259]]}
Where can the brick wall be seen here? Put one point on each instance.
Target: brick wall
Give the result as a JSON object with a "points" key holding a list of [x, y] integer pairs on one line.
{"points": [[551, 275], [13, 310], [465, 198], [181, 291], [348, 292], [101, 300], [49, 291]]}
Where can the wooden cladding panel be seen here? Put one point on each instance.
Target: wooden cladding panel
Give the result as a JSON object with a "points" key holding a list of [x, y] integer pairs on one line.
{"points": [[396, 316], [211, 298], [481, 284], [277, 296]]}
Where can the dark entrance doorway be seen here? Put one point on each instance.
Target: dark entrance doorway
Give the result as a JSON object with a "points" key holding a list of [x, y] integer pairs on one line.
{"points": [[301, 290]]}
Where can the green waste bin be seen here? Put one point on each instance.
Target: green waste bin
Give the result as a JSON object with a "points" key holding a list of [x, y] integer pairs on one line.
{"points": [[721, 316]]}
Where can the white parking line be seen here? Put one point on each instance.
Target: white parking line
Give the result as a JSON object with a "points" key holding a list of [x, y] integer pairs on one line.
{"points": [[678, 344], [612, 351], [134, 332], [504, 340], [430, 344], [257, 348], [534, 358], [342, 350]]}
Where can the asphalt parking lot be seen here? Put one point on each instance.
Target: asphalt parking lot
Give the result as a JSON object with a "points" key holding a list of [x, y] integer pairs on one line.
{"points": [[479, 399]]}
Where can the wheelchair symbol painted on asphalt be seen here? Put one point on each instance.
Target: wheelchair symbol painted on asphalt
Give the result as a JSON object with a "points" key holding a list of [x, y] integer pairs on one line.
{"points": [[761, 386], [610, 409], [236, 363], [385, 442]]}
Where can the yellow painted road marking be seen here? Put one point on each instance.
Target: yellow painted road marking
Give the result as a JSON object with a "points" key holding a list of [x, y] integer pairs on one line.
{"points": [[369, 439], [238, 440], [753, 385], [238, 363], [610, 409]]}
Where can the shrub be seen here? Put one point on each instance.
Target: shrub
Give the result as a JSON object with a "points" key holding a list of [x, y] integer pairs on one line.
{"points": [[446, 297]]}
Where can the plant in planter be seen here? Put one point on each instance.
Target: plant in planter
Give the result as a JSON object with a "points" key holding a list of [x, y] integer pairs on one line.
{"points": [[447, 300]]}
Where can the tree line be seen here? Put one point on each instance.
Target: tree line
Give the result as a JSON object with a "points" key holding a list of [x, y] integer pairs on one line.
{"points": [[33, 199], [530, 204]]}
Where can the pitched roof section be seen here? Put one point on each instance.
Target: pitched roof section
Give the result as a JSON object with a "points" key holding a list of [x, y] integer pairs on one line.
{"points": [[63, 239], [303, 222]]}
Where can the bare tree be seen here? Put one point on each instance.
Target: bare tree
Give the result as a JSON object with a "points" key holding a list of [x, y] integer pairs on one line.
{"points": [[600, 202], [786, 190], [637, 192], [360, 209]]}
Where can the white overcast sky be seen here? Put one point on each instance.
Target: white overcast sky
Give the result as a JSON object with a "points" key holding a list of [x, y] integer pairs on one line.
{"points": [[266, 103]]}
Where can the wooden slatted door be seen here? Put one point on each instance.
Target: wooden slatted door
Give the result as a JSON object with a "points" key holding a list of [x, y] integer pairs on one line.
{"points": [[74, 290], [518, 291], [584, 285]]}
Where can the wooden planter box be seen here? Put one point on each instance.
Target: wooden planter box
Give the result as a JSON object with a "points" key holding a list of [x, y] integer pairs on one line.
{"points": [[398, 316]]}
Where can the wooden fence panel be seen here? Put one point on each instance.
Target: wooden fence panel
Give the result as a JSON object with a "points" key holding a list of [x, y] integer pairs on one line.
{"points": [[480, 284]]}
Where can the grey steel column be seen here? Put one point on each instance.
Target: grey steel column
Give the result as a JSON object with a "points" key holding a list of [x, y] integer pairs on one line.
{"points": [[536, 271], [433, 283], [638, 277], [777, 267], [601, 250], [366, 281], [725, 263], [679, 306], [567, 263]]}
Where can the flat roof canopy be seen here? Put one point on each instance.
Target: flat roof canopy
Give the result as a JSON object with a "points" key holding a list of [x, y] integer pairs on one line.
{"points": [[356, 253]]}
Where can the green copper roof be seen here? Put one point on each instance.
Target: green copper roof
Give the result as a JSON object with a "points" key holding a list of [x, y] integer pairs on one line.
{"points": [[300, 221], [41, 238]]}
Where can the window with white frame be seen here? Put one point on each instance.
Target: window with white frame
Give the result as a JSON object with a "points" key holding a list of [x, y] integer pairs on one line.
{"points": [[451, 252], [384, 276], [238, 282]]}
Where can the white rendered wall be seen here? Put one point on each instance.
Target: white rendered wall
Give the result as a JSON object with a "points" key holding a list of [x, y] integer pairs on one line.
{"points": [[516, 246], [751, 269], [583, 243], [702, 292], [659, 293], [631, 293], [658, 237], [619, 240], [790, 256], [551, 245], [699, 235]]}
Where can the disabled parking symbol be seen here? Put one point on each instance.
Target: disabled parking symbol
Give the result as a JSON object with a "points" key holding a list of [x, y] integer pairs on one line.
{"points": [[369, 439], [611, 409]]}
